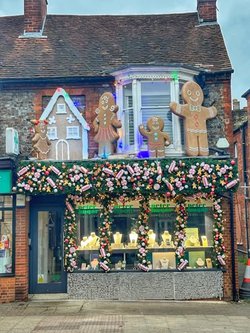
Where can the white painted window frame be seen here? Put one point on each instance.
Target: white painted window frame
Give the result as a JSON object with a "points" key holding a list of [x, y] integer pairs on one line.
{"points": [[52, 128], [72, 137], [136, 75]]}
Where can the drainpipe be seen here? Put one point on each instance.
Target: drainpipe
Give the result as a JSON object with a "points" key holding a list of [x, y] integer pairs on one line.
{"points": [[235, 291], [246, 184]]}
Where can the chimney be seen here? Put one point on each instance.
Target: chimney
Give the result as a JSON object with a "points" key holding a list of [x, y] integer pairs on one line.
{"points": [[34, 16], [236, 104], [207, 11]]}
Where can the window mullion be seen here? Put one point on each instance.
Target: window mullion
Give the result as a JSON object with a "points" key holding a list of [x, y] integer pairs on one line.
{"points": [[136, 92], [174, 90]]}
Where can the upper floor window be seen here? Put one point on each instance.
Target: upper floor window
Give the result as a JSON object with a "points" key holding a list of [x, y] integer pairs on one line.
{"points": [[144, 94]]}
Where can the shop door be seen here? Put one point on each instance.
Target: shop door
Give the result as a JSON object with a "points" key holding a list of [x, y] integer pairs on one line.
{"points": [[46, 251]]}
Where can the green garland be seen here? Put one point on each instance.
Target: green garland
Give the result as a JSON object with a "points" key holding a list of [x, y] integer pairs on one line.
{"points": [[180, 233], [109, 181]]}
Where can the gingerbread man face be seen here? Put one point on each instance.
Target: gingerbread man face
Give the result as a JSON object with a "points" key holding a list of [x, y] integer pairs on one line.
{"points": [[107, 102], [155, 124], [192, 93], [40, 127]]}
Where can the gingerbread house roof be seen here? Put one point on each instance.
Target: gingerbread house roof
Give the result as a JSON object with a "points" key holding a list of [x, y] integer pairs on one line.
{"points": [[61, 92], [95, 46]]}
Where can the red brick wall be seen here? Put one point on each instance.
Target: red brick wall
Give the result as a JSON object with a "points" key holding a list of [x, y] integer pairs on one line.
{"points": [[240, 196], [34, 14], [16, 288], [22, 253], [7, 289], [228, 278], [207, 10]]}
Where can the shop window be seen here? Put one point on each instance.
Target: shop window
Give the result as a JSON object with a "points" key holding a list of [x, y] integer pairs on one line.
{"points": [[161, 248], [7, 225]]}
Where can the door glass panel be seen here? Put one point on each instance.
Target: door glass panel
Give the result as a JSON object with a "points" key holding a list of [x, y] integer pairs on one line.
{"points": [[49, 247]]}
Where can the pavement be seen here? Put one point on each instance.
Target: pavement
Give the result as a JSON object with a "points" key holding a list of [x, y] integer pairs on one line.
{"points": [[69, 316]]}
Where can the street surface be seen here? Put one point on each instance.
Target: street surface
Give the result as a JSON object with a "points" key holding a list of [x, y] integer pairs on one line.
{"points": [[68, 316]]}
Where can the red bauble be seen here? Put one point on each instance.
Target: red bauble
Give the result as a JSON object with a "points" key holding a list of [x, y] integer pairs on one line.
{"points": [[168, 194], [233, 162]]}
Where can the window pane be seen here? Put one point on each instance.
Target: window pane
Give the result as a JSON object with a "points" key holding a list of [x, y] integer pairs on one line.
{"points": [[155, 100], [6, 232], [49, 247], [128, 114]]}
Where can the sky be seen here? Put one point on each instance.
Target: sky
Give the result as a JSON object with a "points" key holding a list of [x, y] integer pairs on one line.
{"points": [[233, 17]]}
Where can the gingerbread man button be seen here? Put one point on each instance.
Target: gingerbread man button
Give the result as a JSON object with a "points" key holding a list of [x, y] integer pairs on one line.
{"points": [[157, 139], [195, 117]]}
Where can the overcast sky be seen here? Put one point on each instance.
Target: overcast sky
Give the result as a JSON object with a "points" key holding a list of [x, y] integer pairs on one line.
{"points": [[233, 16]]}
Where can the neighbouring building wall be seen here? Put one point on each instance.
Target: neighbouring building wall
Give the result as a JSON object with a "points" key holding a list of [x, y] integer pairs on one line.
{"points": [[16, 109]]}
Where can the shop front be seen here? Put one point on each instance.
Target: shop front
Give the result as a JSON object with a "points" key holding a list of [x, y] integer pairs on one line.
{"points": [[131, 229]]}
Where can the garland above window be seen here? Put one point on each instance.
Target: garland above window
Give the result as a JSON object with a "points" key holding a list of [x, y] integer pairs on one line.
{"points": [[117, 178]]}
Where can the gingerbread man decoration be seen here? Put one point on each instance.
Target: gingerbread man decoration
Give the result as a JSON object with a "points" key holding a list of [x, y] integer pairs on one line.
{"points": [[40, 141], [157, 139], [106, 124], [195, 117]]}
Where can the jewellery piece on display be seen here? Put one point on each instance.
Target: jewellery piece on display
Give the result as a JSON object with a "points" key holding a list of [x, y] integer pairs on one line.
{"points": [[209, 263], [166, 239], [91, 242], [200, 262], [151, 238], [133, 236], [204, 241], [117, 241], [192, 235], [164, 263]]}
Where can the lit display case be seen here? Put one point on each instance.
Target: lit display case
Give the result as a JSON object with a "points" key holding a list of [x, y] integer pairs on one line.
{"points": [[161, 237], [7, 215]]}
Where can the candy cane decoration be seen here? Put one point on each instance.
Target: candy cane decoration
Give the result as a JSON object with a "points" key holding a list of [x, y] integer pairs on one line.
{"points": [[231, 184], [108, 171], [104, 266], [221, 260], [51, 182], [182, 265], [86, 187], [205, 181], [130, 170], [84, 170], [143, 267], [172, 166], [103, 253], [119, 174], [23, 171], [55, 170], [70, 208]]}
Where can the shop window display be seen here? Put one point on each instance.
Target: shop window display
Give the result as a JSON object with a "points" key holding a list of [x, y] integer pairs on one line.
{"points": [[161, 237], [6, 234]]}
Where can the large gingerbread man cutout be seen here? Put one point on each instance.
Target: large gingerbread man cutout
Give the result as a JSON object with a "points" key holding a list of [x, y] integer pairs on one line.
{"points": [[106, 124], [157, 139], [40, 141], [195, 117]]}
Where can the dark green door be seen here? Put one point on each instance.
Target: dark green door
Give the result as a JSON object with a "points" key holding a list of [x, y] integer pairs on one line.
{"points": [[46, 250]]}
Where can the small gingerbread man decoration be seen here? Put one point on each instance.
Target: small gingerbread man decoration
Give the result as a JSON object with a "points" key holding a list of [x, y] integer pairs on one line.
{"points": [[157, 139], [40, 141], [195, 117], [106, 124]]}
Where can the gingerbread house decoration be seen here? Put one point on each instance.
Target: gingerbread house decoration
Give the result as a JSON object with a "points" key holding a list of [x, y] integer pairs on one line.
{"points": [[67, 129]]}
